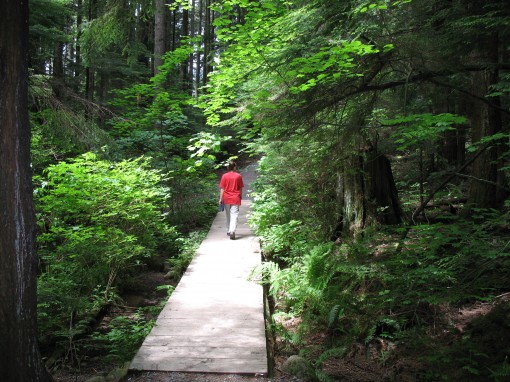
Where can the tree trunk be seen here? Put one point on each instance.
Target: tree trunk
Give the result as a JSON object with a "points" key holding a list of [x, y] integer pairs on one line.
{"points": [[381, 196], [184, 65], [367, 193], [159, 34], [350, 190], [79, 21], [198, 73], [453, 147], [20, 360], [192, 57], [487, 121], [58, 62], [173, 29], [90, 73], [208, 38]]}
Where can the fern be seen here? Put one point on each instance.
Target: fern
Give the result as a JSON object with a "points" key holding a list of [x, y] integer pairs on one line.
{"points": [[334, 314], [501, 372]]}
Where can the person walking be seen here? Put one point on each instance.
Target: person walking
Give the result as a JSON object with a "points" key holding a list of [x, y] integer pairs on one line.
{"points": [[231, 188]]}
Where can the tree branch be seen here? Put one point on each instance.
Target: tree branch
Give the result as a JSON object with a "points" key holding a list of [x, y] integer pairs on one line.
{"points": [[428, 76], [450, 177], [482, 99], [481, 181]]}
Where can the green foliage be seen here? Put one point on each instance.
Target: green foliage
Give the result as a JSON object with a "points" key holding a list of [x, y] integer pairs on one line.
{"points": [[59, 131], [420, 129], [386, 285], [281, 238], [49, 26], [329, 64], [481, 354], [151, 123], [159, 107], [501, 372], [124, 336], [98, 221], [203, 147], [155, 119], [109, 45], [187, 249], [248, 44]]}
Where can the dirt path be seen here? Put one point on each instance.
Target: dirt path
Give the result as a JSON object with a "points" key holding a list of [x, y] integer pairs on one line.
{"points": [[197, 377]]}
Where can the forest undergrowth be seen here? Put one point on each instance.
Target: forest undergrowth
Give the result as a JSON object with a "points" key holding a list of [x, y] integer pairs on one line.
{"points": [[420, 302], [426, 301]]}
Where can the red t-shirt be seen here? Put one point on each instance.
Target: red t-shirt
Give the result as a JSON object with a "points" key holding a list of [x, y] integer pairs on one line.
{"points": [[232, 184]]}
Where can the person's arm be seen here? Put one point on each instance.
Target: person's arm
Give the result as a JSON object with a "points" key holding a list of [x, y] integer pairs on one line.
{"points": [[221, 195]]}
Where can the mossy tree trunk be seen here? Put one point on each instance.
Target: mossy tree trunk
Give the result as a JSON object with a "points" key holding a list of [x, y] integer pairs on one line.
{"points": [[367, 193]]}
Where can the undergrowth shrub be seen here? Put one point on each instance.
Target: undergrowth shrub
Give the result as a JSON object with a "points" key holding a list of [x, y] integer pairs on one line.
{"points": [[99, 222], [124, 336]]}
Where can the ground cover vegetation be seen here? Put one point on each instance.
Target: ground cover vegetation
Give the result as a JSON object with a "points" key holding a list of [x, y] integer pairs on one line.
{"points": [[382, 199]]}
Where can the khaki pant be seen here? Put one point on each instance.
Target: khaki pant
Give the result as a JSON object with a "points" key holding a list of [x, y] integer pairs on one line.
{"points": [[232, 211]]}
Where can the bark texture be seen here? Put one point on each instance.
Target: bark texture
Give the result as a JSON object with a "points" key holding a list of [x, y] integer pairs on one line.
{"points": [[159, 34], [367, 193], [489, 190], [20, 360]]}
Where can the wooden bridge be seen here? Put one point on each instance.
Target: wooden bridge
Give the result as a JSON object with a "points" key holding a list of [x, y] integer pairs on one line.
{"points": [[213, 322]]}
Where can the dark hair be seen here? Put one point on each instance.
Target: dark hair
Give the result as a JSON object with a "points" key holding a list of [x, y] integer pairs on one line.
{"points": [[231, 165]]}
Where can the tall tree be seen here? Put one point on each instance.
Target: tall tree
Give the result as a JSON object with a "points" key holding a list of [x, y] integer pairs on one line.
{"points": [[199, 63], [487, 189], [90, 71], [208, 40], [20, 360], [159, 34]]}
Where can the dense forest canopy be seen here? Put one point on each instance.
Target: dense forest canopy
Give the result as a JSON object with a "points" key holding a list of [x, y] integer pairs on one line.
{"points": [[381, 129]]}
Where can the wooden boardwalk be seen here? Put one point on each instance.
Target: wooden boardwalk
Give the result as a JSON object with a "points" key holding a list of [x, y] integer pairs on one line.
{"points": [[213, 322]]}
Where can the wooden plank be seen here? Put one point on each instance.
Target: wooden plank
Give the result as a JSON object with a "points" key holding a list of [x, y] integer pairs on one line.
{"points": [[202, 365], [184, 315], [216, 321], [171, 351], [227, 341], [235, 302], [201, 331], [212, 313]]}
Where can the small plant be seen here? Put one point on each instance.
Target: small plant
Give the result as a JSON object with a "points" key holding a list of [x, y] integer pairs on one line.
{"points": [[124, 336], [501, 372], [187, 249]]}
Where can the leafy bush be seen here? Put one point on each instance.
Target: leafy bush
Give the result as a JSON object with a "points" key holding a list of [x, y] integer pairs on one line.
{"points": [[98, 221]]}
